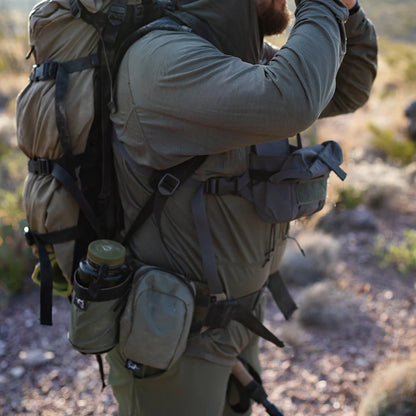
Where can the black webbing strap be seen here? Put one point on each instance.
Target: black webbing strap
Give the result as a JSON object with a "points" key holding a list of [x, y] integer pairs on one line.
{"points": [[116, 15], [60, 72], [281, 295], [78, 10], [222, 312], [46, 283], [59, 173], [256, 391], [165, 183], [209, 264], [49, 69], [43, 166], [46, 276], [100, 363], [62, 77]]}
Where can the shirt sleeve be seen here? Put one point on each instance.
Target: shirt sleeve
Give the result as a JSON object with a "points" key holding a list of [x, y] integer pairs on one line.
{"points": [[358, 69], [207, 102]]}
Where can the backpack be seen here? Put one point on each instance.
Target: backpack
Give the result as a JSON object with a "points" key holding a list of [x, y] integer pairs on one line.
{"points": [[64, 128]]}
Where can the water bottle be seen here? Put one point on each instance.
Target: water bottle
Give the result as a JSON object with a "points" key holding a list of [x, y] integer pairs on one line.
{"points": [[101, 284], [104, 266]]}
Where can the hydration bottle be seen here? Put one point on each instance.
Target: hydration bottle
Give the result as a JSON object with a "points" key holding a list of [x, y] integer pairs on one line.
{"points": [[104, 266], [101, 284]]}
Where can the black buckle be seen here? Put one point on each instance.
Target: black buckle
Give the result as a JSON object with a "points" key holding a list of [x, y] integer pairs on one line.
{"points": [[116, 15], [136, 368], [211, 186], [168, 184], [47, 70], [220, 313], [40, 166]]}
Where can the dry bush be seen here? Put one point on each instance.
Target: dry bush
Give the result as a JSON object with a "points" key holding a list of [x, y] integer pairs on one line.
{"points": [[324, 305], [322, 252], [392, 392]]}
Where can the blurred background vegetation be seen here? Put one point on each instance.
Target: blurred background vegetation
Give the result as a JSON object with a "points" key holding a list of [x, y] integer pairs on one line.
{"points": [[380, 159], [380, 127]]}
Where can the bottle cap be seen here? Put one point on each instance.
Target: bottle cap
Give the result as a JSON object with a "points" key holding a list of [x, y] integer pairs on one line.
{"points": [[107, 252]]}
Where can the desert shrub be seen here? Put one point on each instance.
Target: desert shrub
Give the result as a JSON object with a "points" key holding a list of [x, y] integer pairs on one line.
{"points": [[397, 150], [321, 252], [324, 305], [392, 392], [401, 255], [349, 197], [15, 256]]}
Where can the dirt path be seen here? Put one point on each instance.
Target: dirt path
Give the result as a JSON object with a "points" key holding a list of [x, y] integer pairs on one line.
{"points": [[324, 372]]}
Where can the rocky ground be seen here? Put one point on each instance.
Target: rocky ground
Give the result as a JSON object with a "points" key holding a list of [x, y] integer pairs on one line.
{"points": [[361, 319]]}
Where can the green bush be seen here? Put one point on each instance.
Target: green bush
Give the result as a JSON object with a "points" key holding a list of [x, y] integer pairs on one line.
{"points": [[401, 255], [15, 256], [349, 197], [400, 151]]}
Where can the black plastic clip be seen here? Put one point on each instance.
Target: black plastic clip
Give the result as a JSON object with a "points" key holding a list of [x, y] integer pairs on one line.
{"points": [[168, 184], [47, 70], [116, 15], [40, 166]]}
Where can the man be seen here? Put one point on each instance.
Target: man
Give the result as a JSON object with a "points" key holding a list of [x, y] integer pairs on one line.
{"points": [[179, 96]]}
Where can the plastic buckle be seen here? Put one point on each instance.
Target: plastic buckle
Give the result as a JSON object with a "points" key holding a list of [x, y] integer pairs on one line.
{"points": [[135, 368], [217, 297], [40, 166], [168, 184], [116, 15], [47, 70], [211, 186]]}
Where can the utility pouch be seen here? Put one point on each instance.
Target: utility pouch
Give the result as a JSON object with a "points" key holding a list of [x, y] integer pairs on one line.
{"points": [[285, 188], [100, 294], [156, 322]]}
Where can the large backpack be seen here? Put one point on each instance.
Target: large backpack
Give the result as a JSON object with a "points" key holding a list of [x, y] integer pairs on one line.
{"points": [[63, 126]]}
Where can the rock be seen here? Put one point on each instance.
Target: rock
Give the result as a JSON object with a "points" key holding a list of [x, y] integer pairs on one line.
{"points": [[34, 358], [17, 372], [2, 348], [345, 220]]}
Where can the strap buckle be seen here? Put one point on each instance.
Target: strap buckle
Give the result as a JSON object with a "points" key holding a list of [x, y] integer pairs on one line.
{"points": [[217, 297], [47, 70], [116, 15], [40, 166], [168, 184]]}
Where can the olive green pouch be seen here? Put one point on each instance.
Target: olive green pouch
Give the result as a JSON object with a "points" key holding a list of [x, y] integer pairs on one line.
{"points": [[156, 322], [94, 323]]}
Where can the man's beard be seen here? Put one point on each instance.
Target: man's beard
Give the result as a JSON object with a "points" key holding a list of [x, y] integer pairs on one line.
{"points": [[273, 20]]}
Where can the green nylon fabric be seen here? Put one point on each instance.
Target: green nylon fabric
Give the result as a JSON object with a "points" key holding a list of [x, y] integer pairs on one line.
{"points": [[178, 96]]}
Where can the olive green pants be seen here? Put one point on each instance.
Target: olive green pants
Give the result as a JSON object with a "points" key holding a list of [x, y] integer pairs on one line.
{"points": [[192, 387]]}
